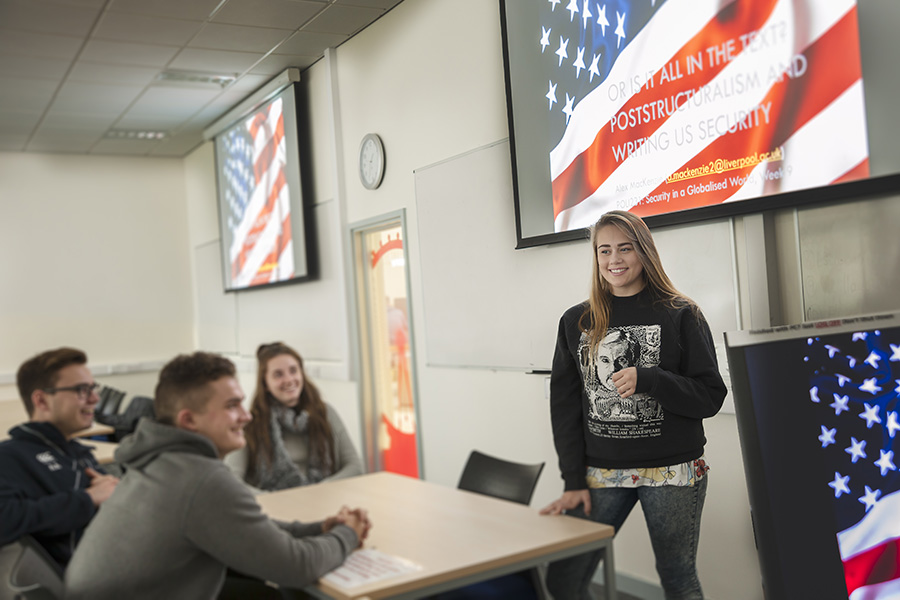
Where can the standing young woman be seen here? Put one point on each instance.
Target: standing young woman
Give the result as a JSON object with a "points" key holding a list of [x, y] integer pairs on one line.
{"points": [[294, 438], [644, 441]]}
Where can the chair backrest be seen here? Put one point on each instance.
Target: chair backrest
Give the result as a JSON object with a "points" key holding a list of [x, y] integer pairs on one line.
{"points": [[500, 478], [33, 574], [110, 400]]}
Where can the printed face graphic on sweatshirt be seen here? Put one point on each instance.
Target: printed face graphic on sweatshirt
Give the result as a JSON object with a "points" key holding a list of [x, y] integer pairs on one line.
{"points": [[609, 414]]}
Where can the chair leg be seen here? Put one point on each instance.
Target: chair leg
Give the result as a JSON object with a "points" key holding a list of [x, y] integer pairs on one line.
{"points": [[537, 580]]}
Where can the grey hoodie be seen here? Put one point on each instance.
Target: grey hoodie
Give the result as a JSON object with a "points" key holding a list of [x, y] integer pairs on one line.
{"points": [[179, 517]]}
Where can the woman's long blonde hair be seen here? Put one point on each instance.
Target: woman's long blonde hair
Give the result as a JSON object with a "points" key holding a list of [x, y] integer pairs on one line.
{"points": [[595, 320]]}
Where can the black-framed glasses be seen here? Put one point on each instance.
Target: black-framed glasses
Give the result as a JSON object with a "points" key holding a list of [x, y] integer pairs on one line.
{"points": [[83, 390]]}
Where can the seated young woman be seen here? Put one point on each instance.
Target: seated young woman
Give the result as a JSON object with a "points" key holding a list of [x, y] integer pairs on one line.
{"points": [[295, 438]]}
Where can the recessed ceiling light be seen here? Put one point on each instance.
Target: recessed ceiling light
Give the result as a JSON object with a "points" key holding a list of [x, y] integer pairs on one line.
{"points": [[197, 77], [135, 134]]}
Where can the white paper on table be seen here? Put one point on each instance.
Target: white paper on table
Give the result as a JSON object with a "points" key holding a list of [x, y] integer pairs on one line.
{"points": [[367, 566]]}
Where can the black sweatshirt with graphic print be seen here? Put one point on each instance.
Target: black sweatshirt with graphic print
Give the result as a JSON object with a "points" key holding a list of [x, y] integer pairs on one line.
{"points": [[678, 385]]}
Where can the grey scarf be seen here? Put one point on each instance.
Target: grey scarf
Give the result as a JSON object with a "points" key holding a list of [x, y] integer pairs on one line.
{"points": [[283, 473]]}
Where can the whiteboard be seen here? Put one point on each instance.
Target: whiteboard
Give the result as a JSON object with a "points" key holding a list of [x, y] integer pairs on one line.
{"points": [[488, 305]]}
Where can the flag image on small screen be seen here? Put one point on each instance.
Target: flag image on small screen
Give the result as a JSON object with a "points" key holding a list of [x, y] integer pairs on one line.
{"points": [[258, 199]]}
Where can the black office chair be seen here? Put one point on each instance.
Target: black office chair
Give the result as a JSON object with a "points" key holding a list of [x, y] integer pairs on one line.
{"points": [[110, 400], [126, 421], [500, 478], [30, 572], [511, 481]]}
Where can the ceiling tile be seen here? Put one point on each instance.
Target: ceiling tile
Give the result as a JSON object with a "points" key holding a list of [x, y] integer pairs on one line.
{"points": [[32, 66], [127, 27], [248, 83], [218, 36], [290, 14], [145, 55], [74, 121], [47, 17], [149, 123], [54, 142], [27, 43], [194, 10], [18, 121], [214, 61], [343, 19], [95, 98], [12, 142], [171, 102], [26, 94], [178, 145], [275, 63], [385, 4], [105, 73], [311, 44]]}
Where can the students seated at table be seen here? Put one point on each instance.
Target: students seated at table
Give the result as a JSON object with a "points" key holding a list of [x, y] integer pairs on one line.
{"points": [[51, 486], [180, 517], [295, 438]]}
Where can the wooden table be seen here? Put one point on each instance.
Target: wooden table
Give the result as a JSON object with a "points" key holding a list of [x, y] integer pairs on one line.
{"points": [[456, 537]]}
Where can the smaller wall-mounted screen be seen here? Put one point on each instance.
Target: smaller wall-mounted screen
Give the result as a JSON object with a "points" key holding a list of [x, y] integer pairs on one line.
{"points": [[679, 110], [261, 208], [818, 409]]}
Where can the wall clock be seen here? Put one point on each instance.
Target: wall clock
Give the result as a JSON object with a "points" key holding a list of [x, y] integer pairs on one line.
{"points": [[371, 161]]}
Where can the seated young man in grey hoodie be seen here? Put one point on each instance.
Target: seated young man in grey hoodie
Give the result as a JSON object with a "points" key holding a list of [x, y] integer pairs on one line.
{"points": [[179, 517]]}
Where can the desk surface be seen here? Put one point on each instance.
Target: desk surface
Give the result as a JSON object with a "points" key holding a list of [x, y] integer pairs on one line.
{"points": [[452, 534]]}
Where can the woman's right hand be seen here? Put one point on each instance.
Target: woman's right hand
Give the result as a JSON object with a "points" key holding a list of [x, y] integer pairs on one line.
{"points": [[569, 501]]}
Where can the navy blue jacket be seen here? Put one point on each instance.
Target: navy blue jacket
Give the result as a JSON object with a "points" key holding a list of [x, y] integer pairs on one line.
{"points": [[42, 488]]}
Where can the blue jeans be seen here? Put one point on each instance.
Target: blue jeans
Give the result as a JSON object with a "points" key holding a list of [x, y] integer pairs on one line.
{"points": [[673, 520]]}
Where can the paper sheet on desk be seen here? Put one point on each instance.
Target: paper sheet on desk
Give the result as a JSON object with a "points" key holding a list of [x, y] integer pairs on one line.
{"points": [[367, 566]]}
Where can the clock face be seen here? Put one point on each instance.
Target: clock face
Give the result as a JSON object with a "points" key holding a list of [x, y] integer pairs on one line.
{"points": [[371, 161]]}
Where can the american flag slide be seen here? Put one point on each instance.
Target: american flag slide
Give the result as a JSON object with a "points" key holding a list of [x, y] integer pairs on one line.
{"points": [[257, 199], [676, 104]]}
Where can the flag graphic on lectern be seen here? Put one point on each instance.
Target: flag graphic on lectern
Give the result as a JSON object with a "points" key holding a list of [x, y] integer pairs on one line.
{"points": [[855, 387], [656, 106], [258, 199]]}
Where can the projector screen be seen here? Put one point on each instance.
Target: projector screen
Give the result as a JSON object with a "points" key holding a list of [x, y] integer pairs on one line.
{"points": [[262, 218], [680, 110], [817, 411]]}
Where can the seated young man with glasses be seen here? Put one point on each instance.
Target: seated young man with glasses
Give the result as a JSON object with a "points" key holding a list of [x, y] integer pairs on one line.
{"points": [[51, 485]]}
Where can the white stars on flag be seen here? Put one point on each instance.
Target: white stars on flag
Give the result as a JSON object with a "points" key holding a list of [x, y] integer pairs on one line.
{"points": [[856, 450], [602, 21], [839, 485], [895, 353], [840, 404], [569, 108], [594, 69], [827, 436], [551, 95], [873, 359], [814, 394], [563, 51], [870, 414], [870, 386], [886, 462], [892, 425], [870, 498], [572, 8], [585, 14], [579, 63], [620, 28], [545, 39]]}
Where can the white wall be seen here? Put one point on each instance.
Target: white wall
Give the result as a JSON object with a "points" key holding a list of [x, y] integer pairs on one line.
{"points": [[94, 256]]}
